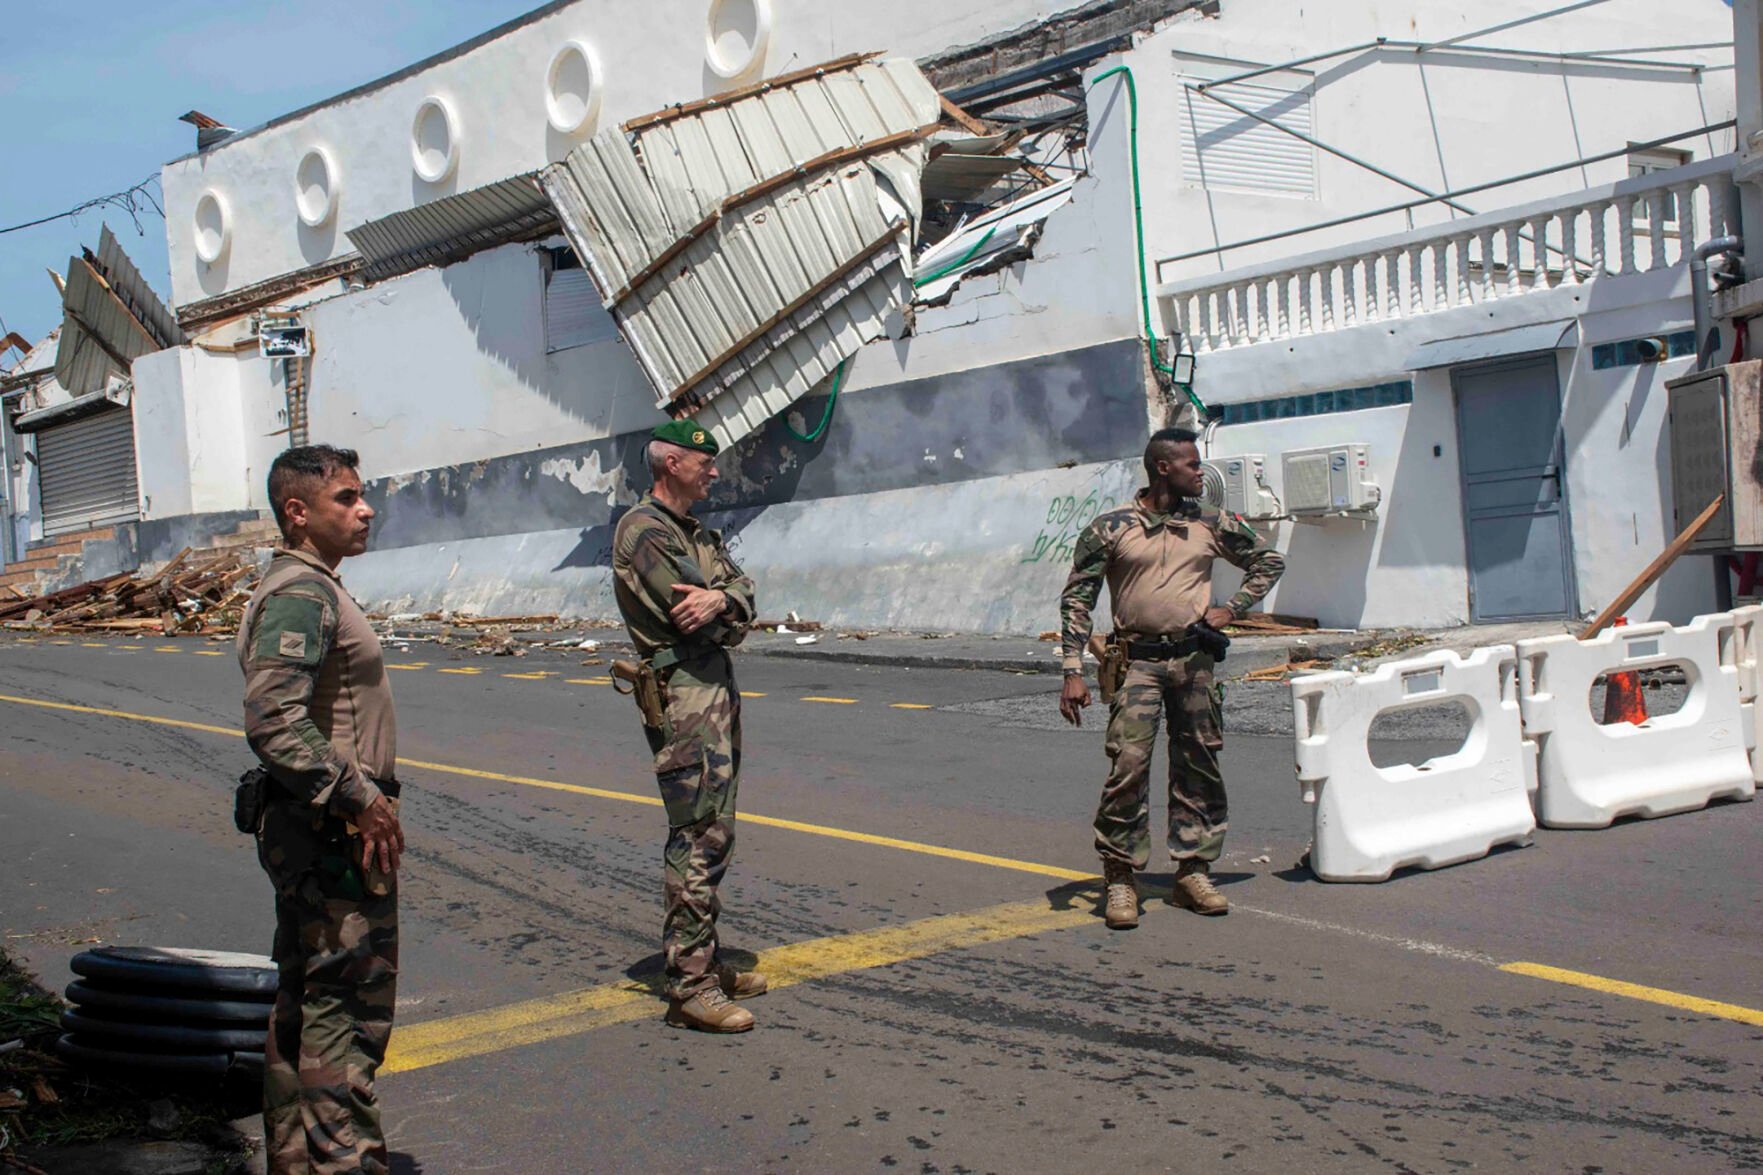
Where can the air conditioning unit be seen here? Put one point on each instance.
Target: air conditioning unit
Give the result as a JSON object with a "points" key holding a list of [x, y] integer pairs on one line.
{"points": [[1335, 479], [1238, 485]]}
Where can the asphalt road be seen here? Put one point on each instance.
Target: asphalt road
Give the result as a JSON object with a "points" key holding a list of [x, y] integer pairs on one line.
{"points": [[948, 998]]}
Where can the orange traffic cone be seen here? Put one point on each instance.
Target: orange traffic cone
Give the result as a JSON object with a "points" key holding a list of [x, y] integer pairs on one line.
{"points": [[1624, 701]]}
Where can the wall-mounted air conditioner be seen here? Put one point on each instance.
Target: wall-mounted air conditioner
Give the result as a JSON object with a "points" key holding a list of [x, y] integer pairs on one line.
{"points": [[1241, 486], [1335, 479]]}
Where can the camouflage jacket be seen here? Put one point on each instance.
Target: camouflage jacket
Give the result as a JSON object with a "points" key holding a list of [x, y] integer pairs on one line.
{"points": [[653, 549], [1158, 568], [318, 706]]}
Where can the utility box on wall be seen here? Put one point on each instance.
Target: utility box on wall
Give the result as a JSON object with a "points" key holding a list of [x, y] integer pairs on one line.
{"points": [[1717, 448], [1242, 486]]}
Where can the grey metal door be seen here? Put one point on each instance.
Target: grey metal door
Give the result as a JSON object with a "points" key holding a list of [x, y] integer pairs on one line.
{"points": [[86, 472], [1514, 507]]}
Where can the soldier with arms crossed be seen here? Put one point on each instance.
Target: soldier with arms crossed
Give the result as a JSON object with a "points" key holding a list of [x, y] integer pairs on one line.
{"points": [[1156, 556], [685, 602], [318, 714]]}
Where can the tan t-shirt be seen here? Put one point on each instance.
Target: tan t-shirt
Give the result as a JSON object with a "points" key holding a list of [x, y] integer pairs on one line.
{"points": [[318, 703]]}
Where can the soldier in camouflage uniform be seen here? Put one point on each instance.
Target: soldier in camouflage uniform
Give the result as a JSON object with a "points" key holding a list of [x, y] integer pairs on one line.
{"points": [[318, 714], [1156, 556], [685, 602]]}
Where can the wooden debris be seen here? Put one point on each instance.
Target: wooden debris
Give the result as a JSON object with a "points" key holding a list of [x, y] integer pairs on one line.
{"points": [[1272, 624], [197, 593], [1052, 634], [1284, 672]]}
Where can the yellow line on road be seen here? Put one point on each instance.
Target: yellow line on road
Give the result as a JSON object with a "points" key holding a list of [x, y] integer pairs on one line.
{"points": [[1634, 991], [1688, 1003], [149, 718], [529, 1022], [751, 694], [167, 649], [93, 645], [469, 669], [908, 706], [210, 652], [587, 681], [536, 675], [886, 842], [408, 665], [832, 701]]}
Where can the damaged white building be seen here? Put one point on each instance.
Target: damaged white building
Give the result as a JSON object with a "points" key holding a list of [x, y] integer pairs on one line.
{"points": [[935, 271]]}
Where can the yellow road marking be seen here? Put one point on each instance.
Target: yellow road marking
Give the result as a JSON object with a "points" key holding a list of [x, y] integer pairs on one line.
{"points": [[436, 1042], [93, 645], [587, 681], [469, 669], [908, 706], [832, 701], [156, 721], [751, 694], [408, 665], [887, 842], [1634, 991], [779, 964], [536, 675], [210, 652], [167, 649]]}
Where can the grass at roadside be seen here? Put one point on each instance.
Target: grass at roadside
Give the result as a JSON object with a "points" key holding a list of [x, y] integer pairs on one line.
{"points": [[46, 1103]]}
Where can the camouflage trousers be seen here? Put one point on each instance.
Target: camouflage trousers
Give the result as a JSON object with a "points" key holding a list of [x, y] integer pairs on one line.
{"points": [[336, 952], [697, 765], [1183, 690]]}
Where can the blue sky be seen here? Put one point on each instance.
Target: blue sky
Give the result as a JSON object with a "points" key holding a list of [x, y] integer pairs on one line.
{"points": [[90, 91]]}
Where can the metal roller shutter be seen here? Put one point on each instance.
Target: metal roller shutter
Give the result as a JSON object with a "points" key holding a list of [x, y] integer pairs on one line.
{"points": [[86, 472], [1222, 148]]}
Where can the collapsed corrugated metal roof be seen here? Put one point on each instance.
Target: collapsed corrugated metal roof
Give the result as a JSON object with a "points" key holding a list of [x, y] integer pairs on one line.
{"points": [[110, 317], [1010, 229], [455, 226], [748, 244]]}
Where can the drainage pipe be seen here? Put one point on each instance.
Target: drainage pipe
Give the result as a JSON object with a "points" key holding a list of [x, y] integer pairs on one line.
{"points": [[1701, 310]]}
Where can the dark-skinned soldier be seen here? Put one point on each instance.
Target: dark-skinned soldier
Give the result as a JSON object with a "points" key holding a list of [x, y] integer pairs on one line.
{"points": [[1156, 556]]}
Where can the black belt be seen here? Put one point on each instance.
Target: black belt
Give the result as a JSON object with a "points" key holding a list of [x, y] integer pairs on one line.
{"points": [[1162, 650]]}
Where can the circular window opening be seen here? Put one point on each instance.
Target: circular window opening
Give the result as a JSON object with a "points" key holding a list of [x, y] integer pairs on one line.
{"points": [[434, 141], [572, 87], [736, 35], [315, 188], [214, 230]]}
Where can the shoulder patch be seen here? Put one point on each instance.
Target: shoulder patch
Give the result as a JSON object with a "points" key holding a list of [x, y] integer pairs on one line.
{"points": [[289, 628]]}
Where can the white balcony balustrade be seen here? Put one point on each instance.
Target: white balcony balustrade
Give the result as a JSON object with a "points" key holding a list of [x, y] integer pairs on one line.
{"points": [[1638, 225]]}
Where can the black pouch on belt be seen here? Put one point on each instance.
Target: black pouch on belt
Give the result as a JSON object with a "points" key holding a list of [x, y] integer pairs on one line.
{"points": [[249, 798]]}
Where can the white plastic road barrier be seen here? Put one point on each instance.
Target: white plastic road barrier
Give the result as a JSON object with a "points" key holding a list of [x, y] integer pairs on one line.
{"points": [[1588, 774], [1747, 625], [1371, 821]]}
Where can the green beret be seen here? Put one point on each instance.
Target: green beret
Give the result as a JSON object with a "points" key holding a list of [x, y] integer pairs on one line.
{"points": [[687, 434]]}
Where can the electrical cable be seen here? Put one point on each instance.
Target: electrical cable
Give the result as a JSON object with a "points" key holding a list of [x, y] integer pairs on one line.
{"points": [[1138, 216], [128, 200], [825, 417]]}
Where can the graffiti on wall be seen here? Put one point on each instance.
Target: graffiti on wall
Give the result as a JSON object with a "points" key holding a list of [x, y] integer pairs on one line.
{"points": [[1067, 515]]}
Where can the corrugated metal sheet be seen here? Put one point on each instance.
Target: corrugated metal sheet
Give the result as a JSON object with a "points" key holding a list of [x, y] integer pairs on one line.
{"points": [[129, 286], [86, 472], [747, 248], [447, 229], [573, 314], [100, 336], [941, 267], [1221, 148]]}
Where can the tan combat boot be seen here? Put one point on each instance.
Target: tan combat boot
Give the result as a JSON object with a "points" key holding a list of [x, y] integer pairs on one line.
{"points": [[1193, 889], [709, 1011], [740, 985], [1121, 912]]}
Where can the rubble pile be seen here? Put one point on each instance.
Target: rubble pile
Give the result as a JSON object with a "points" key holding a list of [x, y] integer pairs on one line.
{"points": [[195, 593]]}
